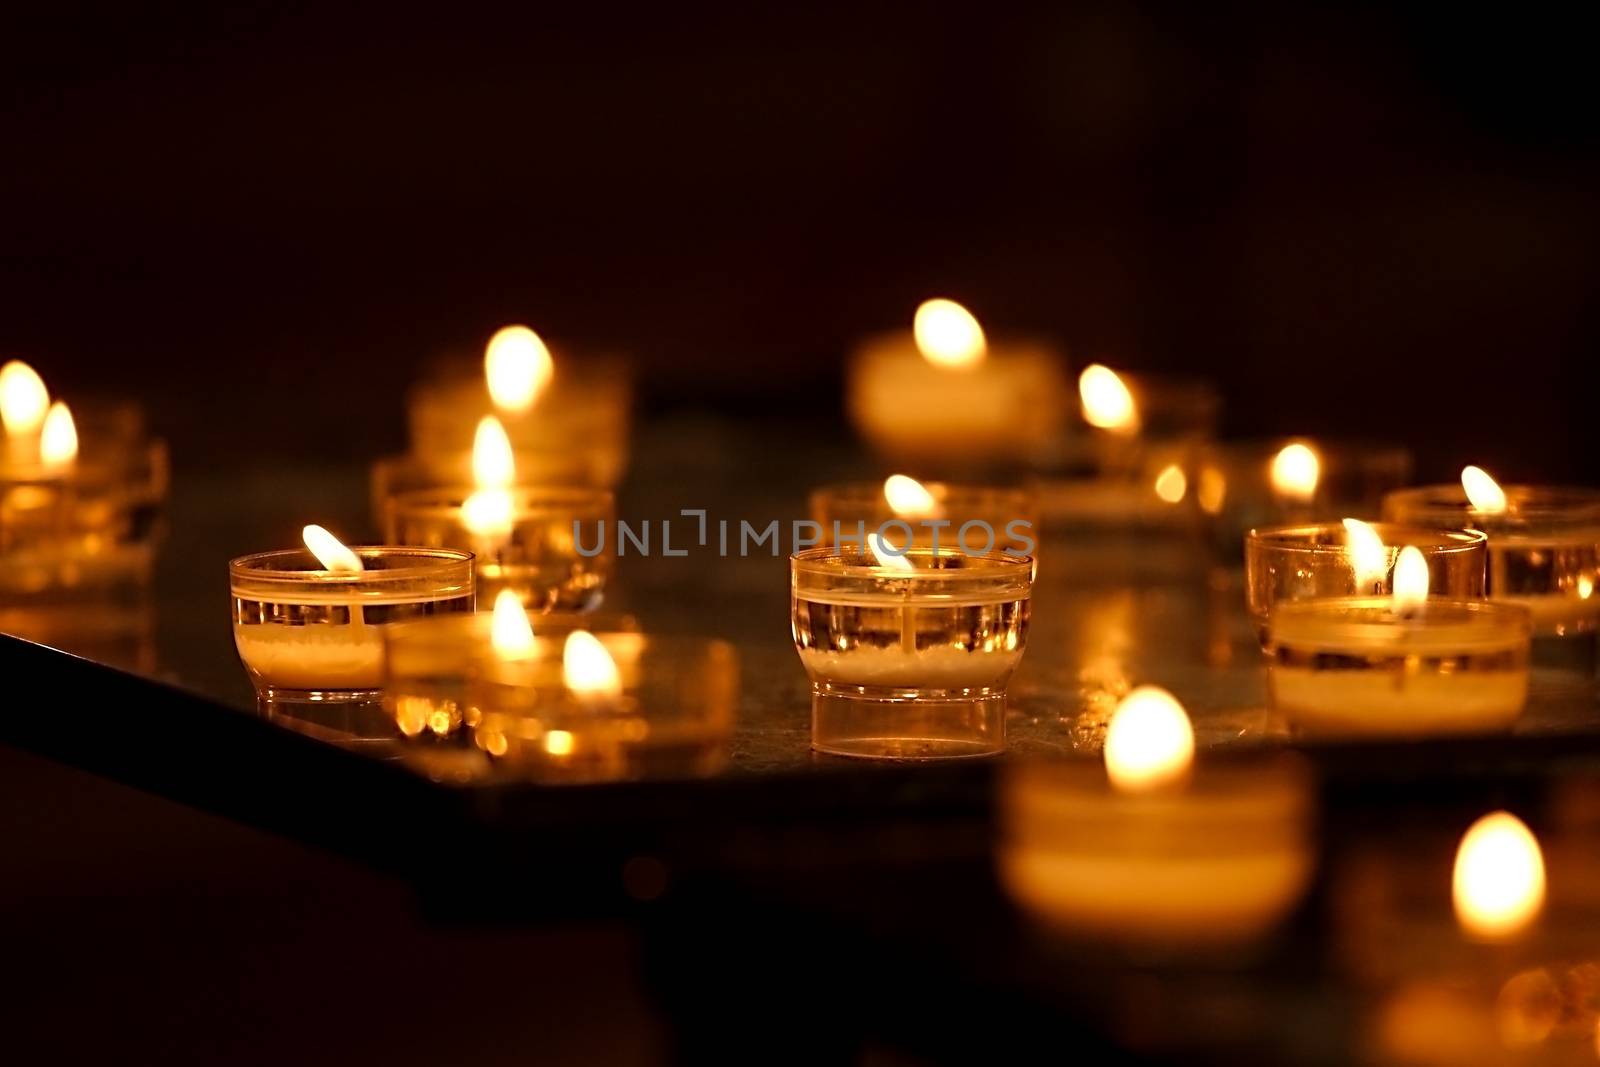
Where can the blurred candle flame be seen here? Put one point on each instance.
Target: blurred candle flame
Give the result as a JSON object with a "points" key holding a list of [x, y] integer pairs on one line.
{"points": [[23, 398], [1499, 883], [1171, 484], [908, 497], [518, 367], [58, 441], [510, 631], [887, 557], [487, 513], [1295, 472], [1483, 492], [1149, 741], [947, 334], [330, 551], [1368, 558], [1410, 580], [1107, 403], [588, 669], [1213, 491]]}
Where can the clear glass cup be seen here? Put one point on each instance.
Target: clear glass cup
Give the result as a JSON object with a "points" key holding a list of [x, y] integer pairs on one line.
{"points": [[312, 639], [556, 552], [393, 476], [1284, 563], [909, 663]]}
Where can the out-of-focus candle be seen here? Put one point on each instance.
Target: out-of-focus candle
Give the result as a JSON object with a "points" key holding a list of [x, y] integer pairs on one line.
{"points": [[943, 393], [1151, 850], [24, 403], [1498, 885]]}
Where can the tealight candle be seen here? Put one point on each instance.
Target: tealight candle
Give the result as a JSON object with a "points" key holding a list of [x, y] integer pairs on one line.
{"points": [[547, 404], [1544, 543], [1150, 851], [80, 493], [909, 653], [308, 623], [601, 706], [977, 519], [1353, 558], [549, 544], [943, 393], [1406, 665], [1140, 424]]}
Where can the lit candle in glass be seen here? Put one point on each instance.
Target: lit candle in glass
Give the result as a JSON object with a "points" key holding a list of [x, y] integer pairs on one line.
{"points": [[943, 394], [1406, 665], [978, 519], [1150, 850]]}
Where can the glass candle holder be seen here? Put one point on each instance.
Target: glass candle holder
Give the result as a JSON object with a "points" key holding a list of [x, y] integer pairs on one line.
{"points": [[554, 547], [586, 406], [671, 717], [976, 519], [1355, 666], [909, 663], [1002, 408], [1220, 861], [1544, 549], [312, 639], [574, 467], [87, 527], [1286, 563], [429, 665], [1252, 484]]}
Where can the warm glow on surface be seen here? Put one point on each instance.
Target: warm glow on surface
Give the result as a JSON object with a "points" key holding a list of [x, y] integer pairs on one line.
{"points": [[492, 464], [1295, 472], [1368, 558], [1585, 587], [588, 669], [1107, 403], [1213, 491], [886, 556], [559, 742], [908, 497], [1410, 580], [330, 551], [510, 632], [1499, 882], [23, 398], [1483, 492], [1171, 484], [1149, 742], [518, 367], [58, 441], [947, 334]]}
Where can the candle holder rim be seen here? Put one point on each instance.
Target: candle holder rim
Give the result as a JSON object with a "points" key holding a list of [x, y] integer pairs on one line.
{"points": [[1436, 540], [1577, 505], [1514, 621], [435, 561], [444, 501], [1240, 777], [828, 561], [939, 488]]}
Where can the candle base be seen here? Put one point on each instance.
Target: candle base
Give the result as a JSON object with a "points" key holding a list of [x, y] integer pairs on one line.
{"points": [[344, 716], [883, 722]]}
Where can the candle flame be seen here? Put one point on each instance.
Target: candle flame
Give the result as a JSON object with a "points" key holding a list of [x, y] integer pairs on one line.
{"points": [[489, 513], [1483, 492], [1295, 472], [58, 441], [510, 632], [330, 551], [588, 669], [948, 335], [1213, 491], [1149, 741], [492, 464], [1368, 558], [1171, 483], [1499, 882], [908, 497], [23, 398], [1410, 580], [518, 367], [886, 556], [1107, 403]]}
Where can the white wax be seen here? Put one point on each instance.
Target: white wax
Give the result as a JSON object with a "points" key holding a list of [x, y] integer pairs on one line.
{"points": [[1395, 703], [930, 668], [1139, 896], [312, 657], [1010, 402]]}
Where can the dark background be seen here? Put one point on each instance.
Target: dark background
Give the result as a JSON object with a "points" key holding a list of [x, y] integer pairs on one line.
{"points": [[263, 218]]}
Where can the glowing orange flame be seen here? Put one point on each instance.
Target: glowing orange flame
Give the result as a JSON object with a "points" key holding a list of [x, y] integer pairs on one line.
{"points": [[58, 440], [1483, 492], [510, 632], [330, 551], [1410, 580], [1172, 484], [1499, 883], [1368, 557], [948, 335], [23, 399], [1295, 472], [908, 497], [518, 367], [1149, 742], [886, 556], [1107, 402], [588, 669]]}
